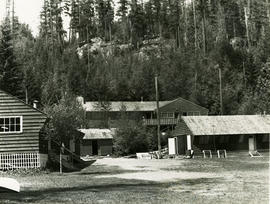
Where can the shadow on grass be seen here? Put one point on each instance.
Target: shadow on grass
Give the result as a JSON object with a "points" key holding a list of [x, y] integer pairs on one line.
{"points": [[116, 185], [39, 195], [102, 170], [219, 165], [197, 181]]}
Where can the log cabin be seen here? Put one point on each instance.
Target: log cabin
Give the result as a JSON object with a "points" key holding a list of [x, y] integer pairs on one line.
{"points": [[21, 145]]}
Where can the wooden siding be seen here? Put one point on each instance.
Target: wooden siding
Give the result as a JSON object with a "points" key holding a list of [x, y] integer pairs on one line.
{"points": [[104, 147], [177, 108], [33, 121]]}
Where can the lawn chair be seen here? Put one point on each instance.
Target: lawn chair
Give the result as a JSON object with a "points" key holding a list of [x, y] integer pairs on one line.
{"points": [[221, 152], [205, 152], [254, 154]]}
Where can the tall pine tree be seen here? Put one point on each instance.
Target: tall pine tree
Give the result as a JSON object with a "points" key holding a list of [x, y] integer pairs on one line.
{"points": [[11, 76]]}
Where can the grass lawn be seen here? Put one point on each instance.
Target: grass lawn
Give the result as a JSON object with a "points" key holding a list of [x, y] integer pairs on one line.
{"points": [[237, 179]]}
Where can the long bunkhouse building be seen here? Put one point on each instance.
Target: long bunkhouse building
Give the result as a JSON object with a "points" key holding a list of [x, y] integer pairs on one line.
{"points": [[229, 132], [21, 145], [98, 113]]}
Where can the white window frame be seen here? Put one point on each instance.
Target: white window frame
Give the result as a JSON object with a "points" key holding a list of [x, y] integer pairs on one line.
{"points": [[21, 125]]}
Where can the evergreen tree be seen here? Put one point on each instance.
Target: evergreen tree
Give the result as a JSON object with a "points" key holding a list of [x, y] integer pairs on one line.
{"points": [[10, 73], [263, 89]]}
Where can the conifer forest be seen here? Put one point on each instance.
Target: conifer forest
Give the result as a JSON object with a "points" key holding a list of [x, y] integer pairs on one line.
{"points": [[202, 50]]}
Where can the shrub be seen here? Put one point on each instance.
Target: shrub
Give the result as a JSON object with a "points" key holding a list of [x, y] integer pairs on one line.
{"points": [[131, 138]]}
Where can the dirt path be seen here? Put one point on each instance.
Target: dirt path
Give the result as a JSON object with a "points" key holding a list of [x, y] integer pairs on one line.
{"points": [[152, 170]]}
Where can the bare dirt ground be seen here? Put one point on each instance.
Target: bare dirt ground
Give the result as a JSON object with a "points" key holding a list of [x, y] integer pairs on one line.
{"points": [[237, 179]]}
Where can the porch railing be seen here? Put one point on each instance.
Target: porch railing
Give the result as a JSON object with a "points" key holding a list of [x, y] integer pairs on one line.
{"points": [[19, 161], [163, 121]]}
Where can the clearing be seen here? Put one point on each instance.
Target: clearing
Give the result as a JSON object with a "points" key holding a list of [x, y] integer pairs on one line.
{"points": [[237, 179]]}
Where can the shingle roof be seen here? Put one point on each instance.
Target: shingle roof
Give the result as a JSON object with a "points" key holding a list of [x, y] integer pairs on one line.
{"points": [[226, 125], [92, 134], [126, 105]]}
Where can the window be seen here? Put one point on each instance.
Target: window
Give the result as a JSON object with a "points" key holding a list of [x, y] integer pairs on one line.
{"points": [[167, 115], [12, 124], [193, 113]]}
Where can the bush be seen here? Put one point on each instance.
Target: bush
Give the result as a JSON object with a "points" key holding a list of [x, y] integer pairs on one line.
{"points": [[131, 138]]}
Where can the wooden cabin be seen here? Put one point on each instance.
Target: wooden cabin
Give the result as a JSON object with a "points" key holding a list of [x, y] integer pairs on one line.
{"points": [[107, 114], [20, 143], [232, 132], [97, 142]]}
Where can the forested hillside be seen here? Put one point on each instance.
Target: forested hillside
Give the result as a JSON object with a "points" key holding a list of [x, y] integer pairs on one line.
{"points": [[113, 50]]}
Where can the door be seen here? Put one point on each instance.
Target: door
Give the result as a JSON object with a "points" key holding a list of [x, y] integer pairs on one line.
{"points": [[173, 146], [95, 147], [252, 143]]}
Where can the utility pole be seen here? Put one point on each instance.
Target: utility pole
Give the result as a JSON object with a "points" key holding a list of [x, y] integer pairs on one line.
{"points": [[158, 114], [60, 161], [62, 149]]}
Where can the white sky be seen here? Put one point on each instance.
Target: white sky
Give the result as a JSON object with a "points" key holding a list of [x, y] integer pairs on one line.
{"points": [[28, 12]]}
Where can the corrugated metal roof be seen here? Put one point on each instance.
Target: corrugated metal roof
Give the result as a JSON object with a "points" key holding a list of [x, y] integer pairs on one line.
{"points": [[93, 134], [227, 125], [124, 105]]}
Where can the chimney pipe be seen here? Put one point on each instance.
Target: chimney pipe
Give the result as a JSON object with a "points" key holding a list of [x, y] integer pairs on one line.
{"points": [[80, 99], [35, 103]]}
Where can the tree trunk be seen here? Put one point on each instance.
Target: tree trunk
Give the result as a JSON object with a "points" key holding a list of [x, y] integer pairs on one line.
{"points": [[26, 95], [203, 36], [195, 26], [268, 10], [185, 18], [247, 26], [160, 28], [204, 30], [234, 29]]}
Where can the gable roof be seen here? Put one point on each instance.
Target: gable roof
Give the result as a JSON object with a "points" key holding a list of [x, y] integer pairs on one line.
{"points": [[225, 125], [6, 97], [91, 134], [182, 100], [129, 105]]}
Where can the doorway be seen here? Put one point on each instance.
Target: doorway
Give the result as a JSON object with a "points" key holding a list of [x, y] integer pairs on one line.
{"points": [[94, 147]]}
